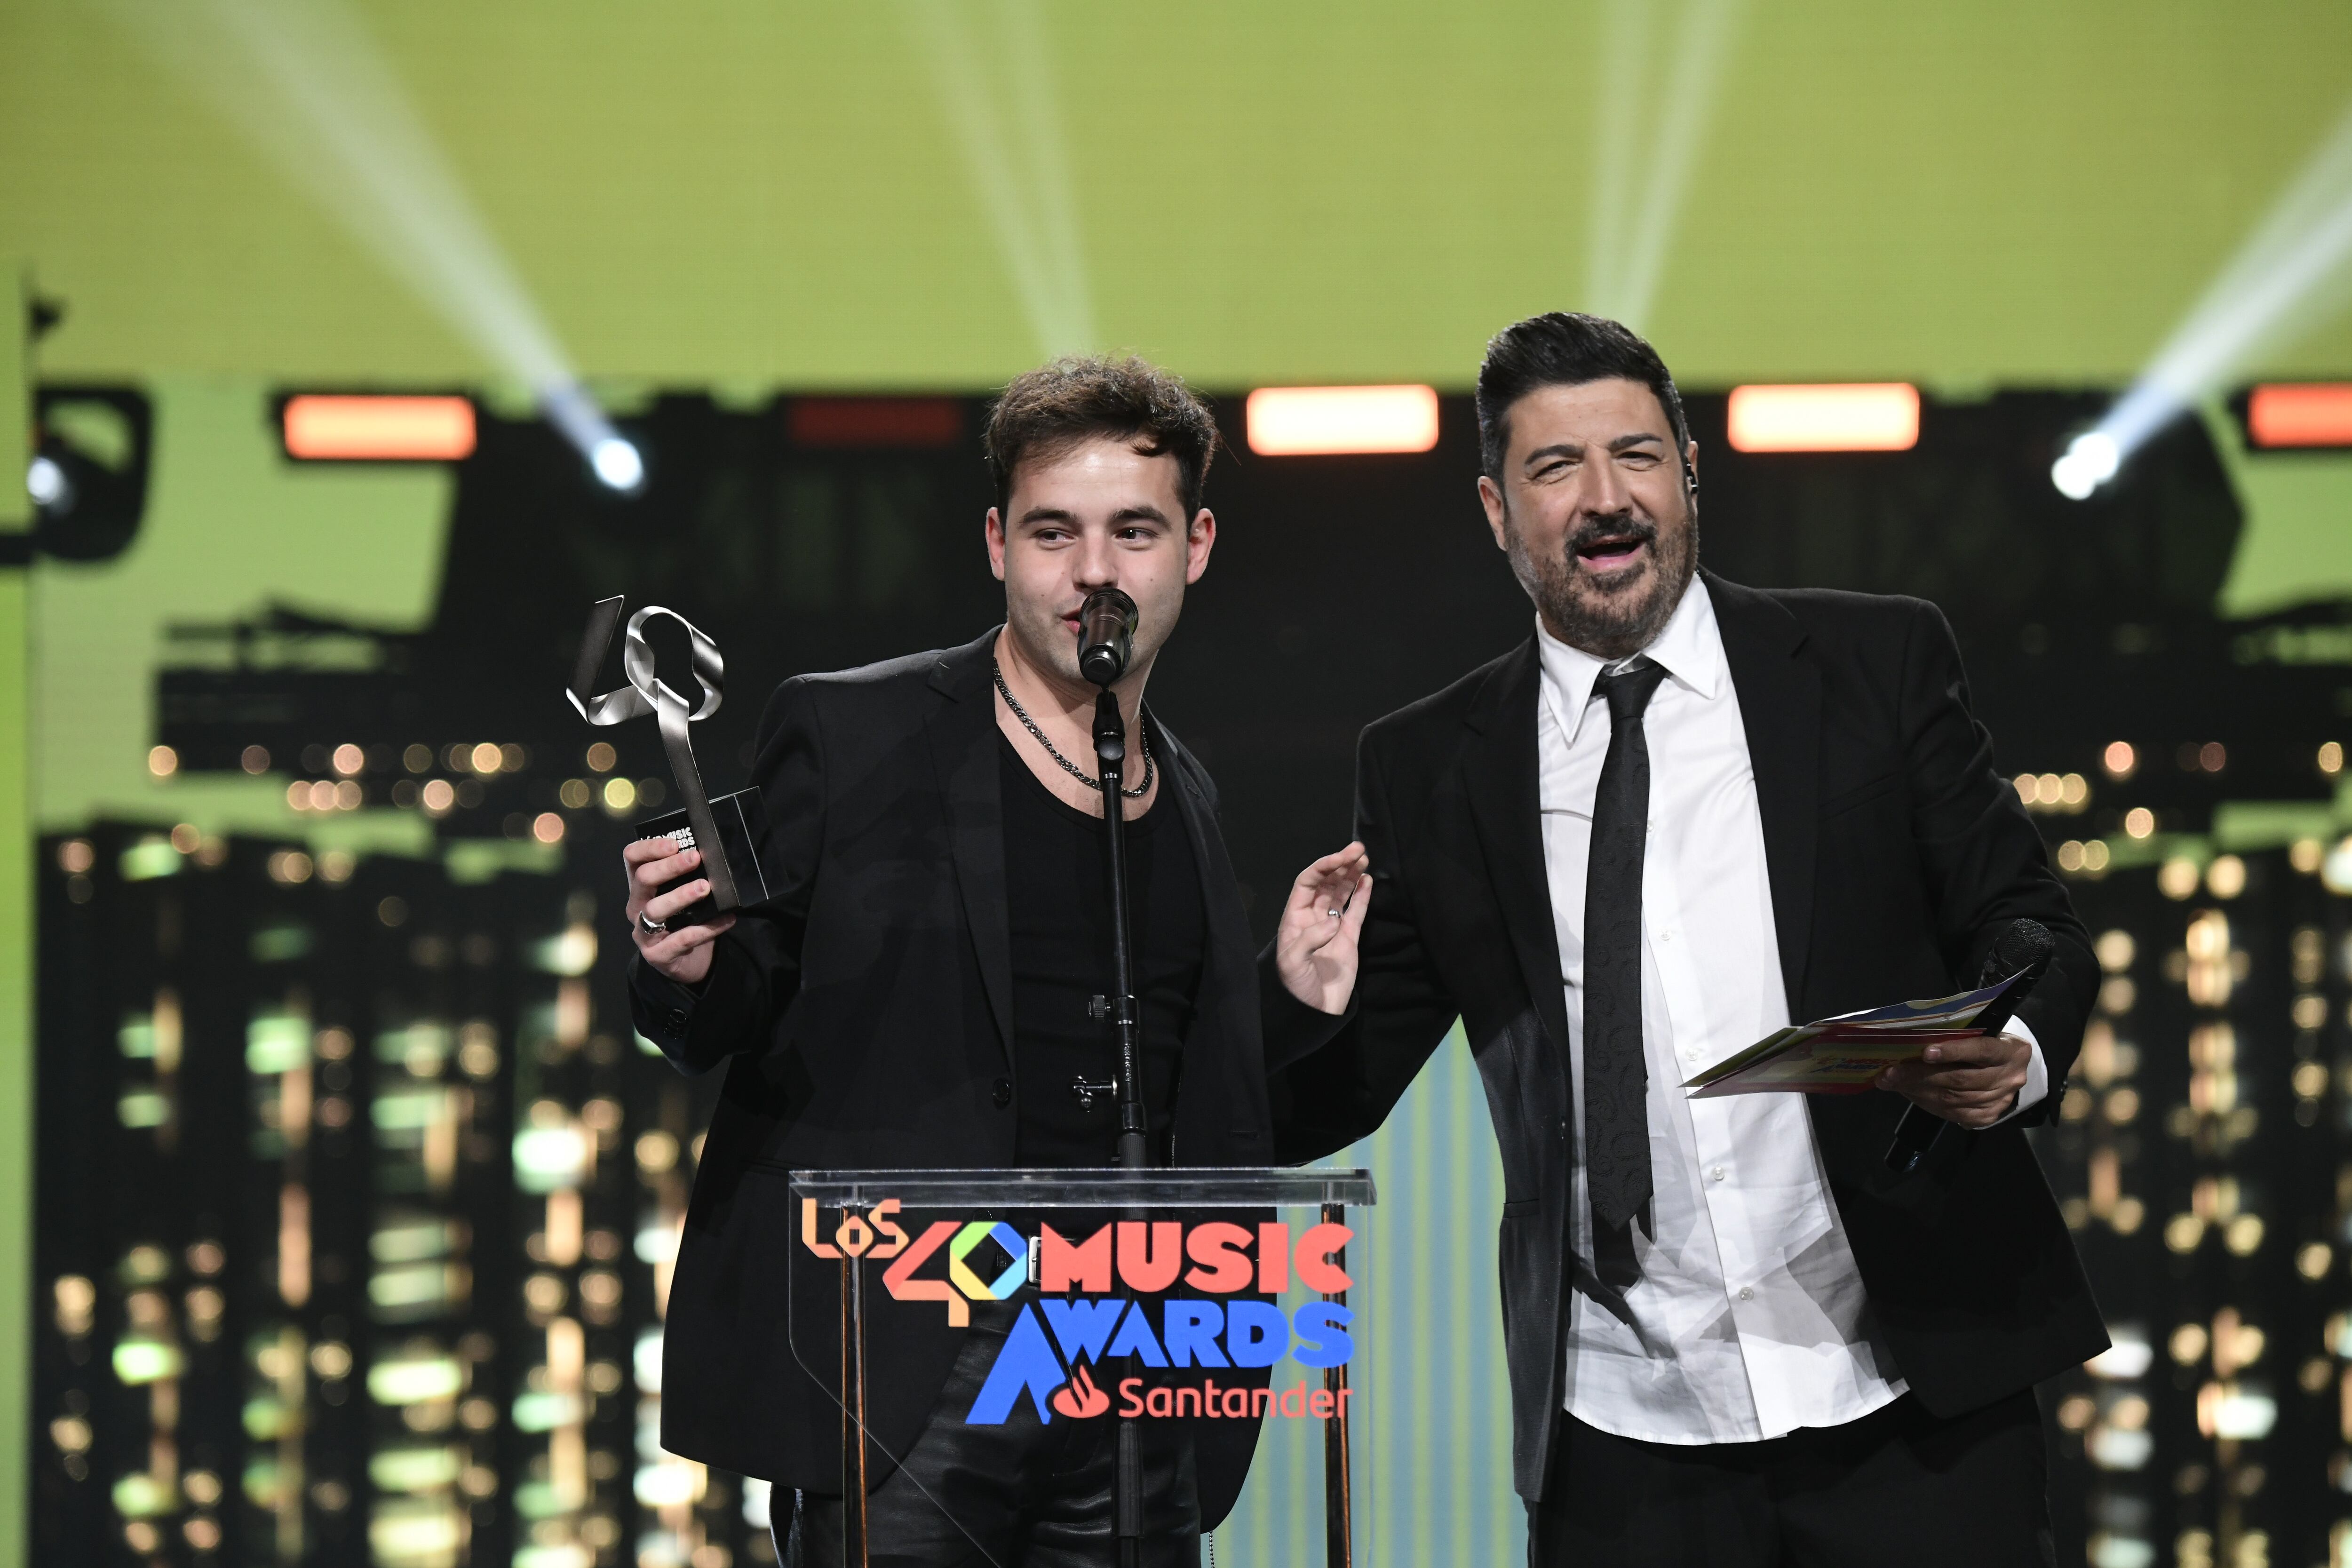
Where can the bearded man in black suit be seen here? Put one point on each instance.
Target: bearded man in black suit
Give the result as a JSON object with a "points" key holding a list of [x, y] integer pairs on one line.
{"points": [[1678, 817]]}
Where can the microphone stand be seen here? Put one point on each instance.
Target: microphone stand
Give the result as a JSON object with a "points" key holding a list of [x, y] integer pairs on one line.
{"points": [[1127, 1027]]}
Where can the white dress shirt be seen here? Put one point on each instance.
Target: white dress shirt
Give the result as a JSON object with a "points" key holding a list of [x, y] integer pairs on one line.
{"points": [[1749, 1318]]}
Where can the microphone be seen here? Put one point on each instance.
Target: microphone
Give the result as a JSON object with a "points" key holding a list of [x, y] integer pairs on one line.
{"points": [[2025, 944], [1106, 636]]}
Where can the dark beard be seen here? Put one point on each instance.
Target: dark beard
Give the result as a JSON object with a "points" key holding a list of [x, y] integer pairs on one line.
{"points": [[1609, 624]]}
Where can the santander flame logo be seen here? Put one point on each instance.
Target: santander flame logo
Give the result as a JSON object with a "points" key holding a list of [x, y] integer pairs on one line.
{"points": [[1079, 1398]]}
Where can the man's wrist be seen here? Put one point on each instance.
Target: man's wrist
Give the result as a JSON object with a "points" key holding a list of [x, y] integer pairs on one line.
{"points": [[664, 1007], [1293, 1029], [1309, 994], [2036, 1087]]}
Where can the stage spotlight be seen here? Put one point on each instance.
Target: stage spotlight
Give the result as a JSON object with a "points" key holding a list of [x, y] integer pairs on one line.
{"points": [[306, 81], [47, 483], [2091, 459], [2257, 304], [619, 465], [87, 475]]}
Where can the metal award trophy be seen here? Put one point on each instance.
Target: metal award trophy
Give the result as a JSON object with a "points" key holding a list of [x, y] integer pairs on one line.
{"points": [[727, 830]]}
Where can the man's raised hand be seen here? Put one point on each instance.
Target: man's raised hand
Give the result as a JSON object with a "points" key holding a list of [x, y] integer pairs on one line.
{"points": [[1315, 948], [683, 953]]}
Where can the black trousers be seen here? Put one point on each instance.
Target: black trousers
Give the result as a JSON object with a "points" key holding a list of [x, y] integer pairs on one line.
{"points": [[1021, 1495], [1897, 1486]]}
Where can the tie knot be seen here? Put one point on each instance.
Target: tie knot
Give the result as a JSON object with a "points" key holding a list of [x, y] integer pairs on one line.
{"points": [[1628, 690]]}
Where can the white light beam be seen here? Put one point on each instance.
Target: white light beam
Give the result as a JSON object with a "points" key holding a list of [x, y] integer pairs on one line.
{"points": [[2250, 308], [1647, 135], [308, 88], [1030, 199], [1709, 27]]}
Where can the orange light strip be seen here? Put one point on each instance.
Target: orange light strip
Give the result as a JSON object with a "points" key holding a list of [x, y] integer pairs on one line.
{"points": [[2317, 414], [1881, 417], [1315, 421], [378, 429]]}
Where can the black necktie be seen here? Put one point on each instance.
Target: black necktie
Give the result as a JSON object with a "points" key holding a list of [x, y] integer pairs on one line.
{"points": [[1616, 1079]]}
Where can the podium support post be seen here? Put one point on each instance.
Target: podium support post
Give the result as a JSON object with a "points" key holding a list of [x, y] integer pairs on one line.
{"points": [[1338, 1536], [1127, 1025], [853, 1412]]}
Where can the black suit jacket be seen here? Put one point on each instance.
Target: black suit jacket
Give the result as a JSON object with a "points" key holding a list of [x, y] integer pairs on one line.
{"points": [[863, 1017], [1896, 854]]}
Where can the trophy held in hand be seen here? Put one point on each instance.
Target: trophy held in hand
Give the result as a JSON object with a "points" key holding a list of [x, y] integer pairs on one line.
{"points": [[727, 830]]}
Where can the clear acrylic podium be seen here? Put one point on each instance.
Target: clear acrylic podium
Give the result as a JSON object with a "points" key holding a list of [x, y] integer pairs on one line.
{"points": [[1120, 1295]]}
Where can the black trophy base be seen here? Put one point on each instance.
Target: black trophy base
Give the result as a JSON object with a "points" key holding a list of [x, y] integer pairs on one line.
{"points": [[739, 820]]}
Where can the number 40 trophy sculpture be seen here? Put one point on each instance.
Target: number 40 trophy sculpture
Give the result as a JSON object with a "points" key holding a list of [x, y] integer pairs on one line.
{"points": [[727, 830]]}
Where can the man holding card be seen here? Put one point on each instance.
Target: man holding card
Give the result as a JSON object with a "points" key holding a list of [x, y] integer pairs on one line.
{"points": [[1679, 817]]}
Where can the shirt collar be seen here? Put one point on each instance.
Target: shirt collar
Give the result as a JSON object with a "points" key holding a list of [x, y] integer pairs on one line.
{"points": [[1690, 647]]}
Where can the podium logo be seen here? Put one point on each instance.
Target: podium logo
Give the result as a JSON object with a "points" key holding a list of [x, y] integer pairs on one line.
{"points": [[1079, 1398], [1106, 1298]]}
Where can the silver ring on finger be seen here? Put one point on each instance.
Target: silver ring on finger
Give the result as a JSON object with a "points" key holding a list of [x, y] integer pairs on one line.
{"points": [[650, 926]]}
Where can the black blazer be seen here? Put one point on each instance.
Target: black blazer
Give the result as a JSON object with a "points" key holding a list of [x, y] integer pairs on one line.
{"points": [[864, 1015], [1896, 853]]}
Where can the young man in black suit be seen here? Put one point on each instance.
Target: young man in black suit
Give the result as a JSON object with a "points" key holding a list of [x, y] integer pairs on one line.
{"points": [[916, 994], [1680, 815]]}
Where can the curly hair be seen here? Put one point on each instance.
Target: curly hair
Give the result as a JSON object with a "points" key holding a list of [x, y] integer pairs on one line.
{"points": [[1052, 409]]}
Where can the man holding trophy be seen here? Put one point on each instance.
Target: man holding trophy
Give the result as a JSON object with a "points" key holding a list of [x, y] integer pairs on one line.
{"points": [[919, 990]]}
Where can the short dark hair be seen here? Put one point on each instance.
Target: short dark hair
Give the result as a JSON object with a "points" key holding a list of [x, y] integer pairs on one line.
{"points": [[1051, 409], [1565, 348]]}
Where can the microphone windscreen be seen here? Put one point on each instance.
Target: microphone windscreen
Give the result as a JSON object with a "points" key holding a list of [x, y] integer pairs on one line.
{"points": [[1107, 623], [2025, 943]]}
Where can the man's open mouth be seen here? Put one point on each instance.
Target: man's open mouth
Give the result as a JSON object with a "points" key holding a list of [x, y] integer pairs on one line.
{"points": [[1613, 552]]}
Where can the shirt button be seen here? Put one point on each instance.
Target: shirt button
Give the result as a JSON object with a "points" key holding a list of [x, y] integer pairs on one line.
{"points": [[1716, 1173], [1002, 1091], [1747, 1293], [677, 1020]]}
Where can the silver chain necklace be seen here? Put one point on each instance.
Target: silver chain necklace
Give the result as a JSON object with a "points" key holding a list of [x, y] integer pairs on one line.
{"points": [[1068, 766]]}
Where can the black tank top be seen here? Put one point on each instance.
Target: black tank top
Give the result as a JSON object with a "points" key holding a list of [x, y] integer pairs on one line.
{"points": [[1058, 898]]}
